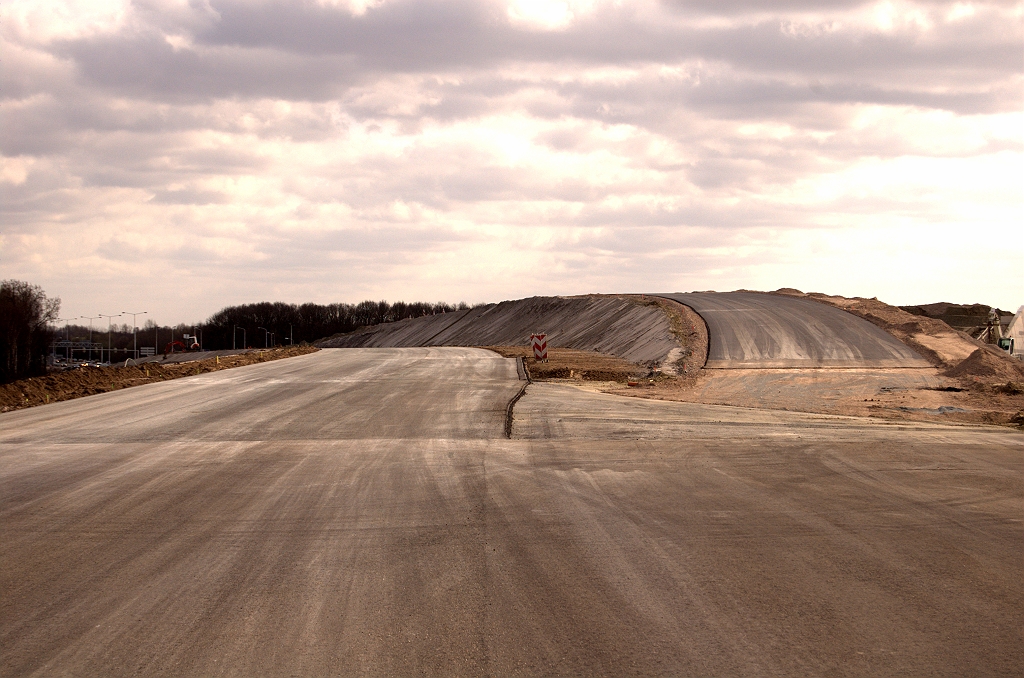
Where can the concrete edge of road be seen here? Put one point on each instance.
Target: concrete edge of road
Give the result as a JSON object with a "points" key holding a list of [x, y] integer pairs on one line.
{"points": [[521, 370], [524, 376]]}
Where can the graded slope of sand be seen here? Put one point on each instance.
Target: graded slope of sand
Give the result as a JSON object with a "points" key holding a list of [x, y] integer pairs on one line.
{"points": [[761, 331], [614, 325], [936, 341]]}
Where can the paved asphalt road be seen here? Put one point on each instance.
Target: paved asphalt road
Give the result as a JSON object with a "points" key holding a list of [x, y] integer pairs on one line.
{"points": [[359, 512], [766, 330]]}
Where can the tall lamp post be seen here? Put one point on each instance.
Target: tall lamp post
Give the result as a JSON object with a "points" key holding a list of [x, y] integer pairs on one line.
{"points": [[90, 318], [233, 336], [70, 357], [110, 350], [266, 333], [135, 331]]}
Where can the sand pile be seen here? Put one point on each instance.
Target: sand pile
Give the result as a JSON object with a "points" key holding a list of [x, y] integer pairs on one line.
{"points": [[92, 380], [988, 366]]}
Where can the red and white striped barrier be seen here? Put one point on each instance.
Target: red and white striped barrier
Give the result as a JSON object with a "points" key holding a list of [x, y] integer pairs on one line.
{"points": [[540, 346]]}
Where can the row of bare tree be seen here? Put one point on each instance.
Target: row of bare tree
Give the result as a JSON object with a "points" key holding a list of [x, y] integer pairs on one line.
{"points": [[26, 314], [278, 323]]}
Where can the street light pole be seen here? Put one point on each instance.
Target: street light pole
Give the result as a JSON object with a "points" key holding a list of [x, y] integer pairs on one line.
{"points": [[135, 331], [110, 350], [266, 333], [90, 319], [236, 328], [69, 357]]}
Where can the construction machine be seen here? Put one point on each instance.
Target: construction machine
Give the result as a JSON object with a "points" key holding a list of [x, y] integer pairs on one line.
{"points": [[188, 343]]}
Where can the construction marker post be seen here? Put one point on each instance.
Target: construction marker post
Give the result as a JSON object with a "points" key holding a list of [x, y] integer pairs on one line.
{"points": [[540, 346]]}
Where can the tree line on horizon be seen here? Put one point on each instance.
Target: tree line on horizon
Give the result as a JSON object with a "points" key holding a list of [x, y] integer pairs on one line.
{"points": [[28, 327], [297, 323], [285, 324]]}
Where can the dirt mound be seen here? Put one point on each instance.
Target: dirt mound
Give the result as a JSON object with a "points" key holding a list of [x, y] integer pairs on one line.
{"points": [[692, 333], [615, 325], [92, 380], [968, 318], [989, 367]]}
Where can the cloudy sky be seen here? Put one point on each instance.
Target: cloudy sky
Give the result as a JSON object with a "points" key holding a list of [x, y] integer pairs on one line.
{"points": [[176, 156]]}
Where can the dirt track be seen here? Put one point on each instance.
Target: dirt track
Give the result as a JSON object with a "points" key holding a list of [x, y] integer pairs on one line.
{"points": [[360, 512]]}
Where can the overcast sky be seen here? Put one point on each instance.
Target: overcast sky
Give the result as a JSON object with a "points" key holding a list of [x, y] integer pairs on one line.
{"points": [[177, 156]]}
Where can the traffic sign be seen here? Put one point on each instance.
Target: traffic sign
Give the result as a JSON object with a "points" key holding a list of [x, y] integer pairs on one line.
{"points": [[540, 346]]}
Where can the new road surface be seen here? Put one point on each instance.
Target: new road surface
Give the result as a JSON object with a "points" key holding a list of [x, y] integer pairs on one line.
{"points": [[360, 512], [754, 330]]}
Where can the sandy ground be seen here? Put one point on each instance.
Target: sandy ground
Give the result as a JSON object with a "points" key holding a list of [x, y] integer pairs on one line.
{"points": [[910, 395]]}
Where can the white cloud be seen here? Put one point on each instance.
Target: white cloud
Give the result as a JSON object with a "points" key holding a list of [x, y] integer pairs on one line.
{"points": [[547, 14], [44, 22], [461, 150]]}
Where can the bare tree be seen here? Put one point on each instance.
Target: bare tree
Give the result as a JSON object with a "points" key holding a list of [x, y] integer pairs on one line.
{"points": [[25, 316]]}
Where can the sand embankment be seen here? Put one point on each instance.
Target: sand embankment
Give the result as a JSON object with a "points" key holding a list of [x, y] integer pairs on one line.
{"points": [[620, 326]]}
